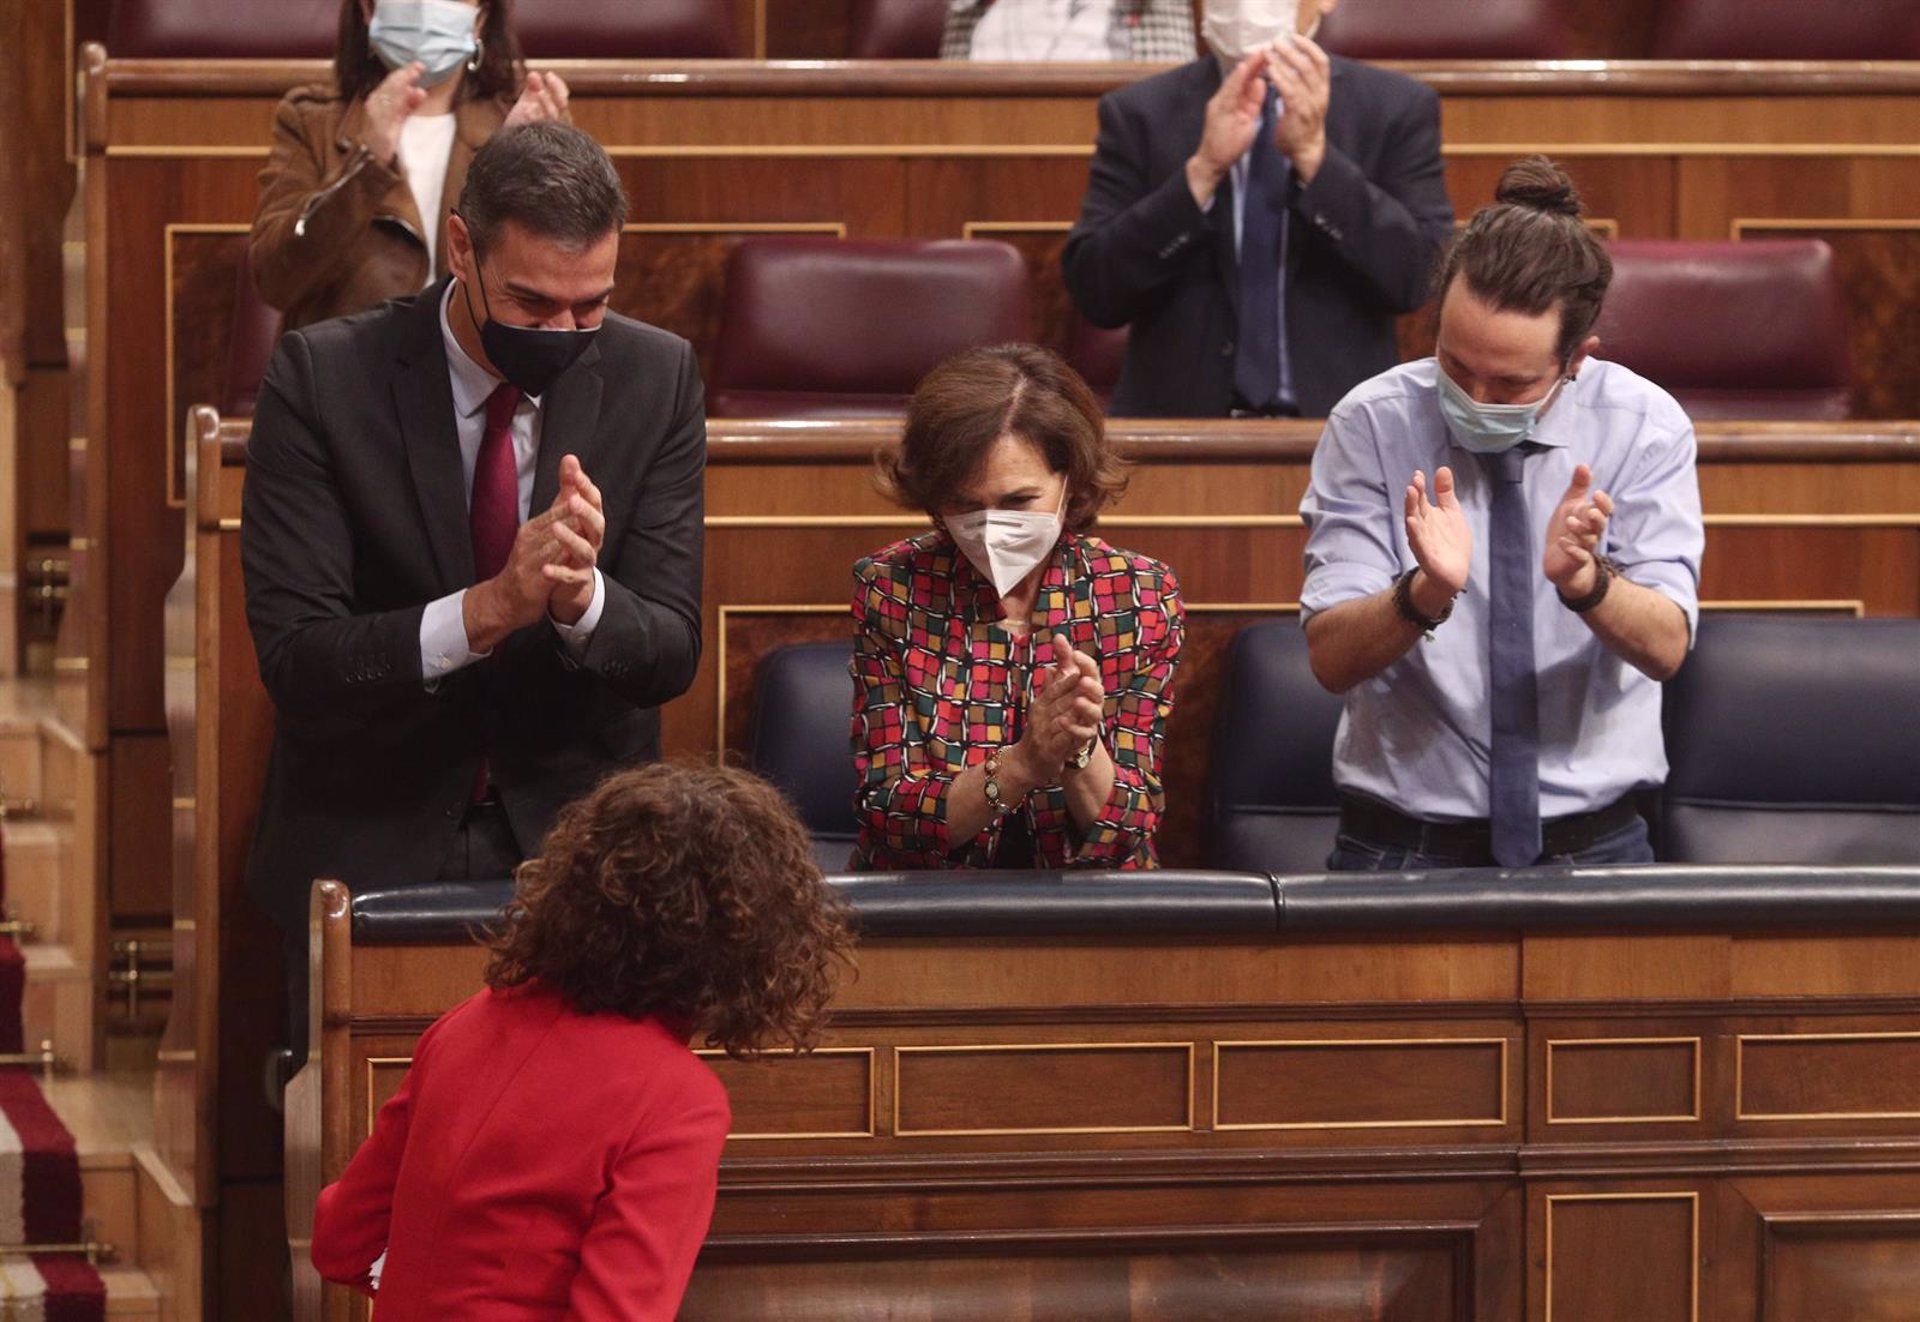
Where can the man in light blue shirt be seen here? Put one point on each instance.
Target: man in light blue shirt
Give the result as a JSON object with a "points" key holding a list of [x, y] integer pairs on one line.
{"points": [[1502, 563]]}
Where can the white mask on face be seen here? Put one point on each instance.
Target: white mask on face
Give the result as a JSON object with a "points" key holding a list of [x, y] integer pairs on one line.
{"points": [[1235, 29], [1007, 545]]}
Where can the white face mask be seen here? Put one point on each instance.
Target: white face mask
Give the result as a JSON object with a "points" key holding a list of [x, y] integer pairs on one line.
{"points": [[1235, 29], [1007, 545]]}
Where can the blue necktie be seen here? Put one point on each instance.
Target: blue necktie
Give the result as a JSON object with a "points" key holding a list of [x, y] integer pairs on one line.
{"points": [[1514, 800], [1257, 379]]}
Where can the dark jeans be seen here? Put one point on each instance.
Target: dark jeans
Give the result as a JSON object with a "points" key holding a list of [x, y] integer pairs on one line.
{"points": [[1627, 845]]}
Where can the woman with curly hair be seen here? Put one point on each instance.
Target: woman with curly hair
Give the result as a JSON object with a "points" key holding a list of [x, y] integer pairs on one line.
{"points": [[553, 1150]]}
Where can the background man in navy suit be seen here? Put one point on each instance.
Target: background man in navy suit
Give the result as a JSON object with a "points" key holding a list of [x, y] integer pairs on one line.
{"points": [[1258, 217]]}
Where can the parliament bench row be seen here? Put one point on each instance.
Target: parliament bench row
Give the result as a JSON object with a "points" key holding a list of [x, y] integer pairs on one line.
{"points": [[822, 327], [1658, 1093], [1791, 742], [911, 29]]}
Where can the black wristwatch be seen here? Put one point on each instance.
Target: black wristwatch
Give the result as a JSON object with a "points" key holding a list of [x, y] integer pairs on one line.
{"points": [[1605, 571], [1403, 603]]}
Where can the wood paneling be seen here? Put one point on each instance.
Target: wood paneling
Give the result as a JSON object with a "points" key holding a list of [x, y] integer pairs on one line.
{"points": [[1636, 1080], [827, 1094], [1611, 1256], [1812, 1076], [1080, 1088], [1838, 1267], [1249, 1278], [1362, 1083]]}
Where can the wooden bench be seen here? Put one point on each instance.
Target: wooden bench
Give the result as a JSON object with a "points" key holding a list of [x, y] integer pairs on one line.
{"points": [[1659, 1095]]}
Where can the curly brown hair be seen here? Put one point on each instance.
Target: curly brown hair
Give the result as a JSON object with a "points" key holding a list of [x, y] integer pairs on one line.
{"points": [[689, 892], [967, 403]]}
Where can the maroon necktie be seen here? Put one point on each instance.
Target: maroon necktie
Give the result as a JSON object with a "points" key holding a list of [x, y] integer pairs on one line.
{"points": [[494, 514], [495, 511]]}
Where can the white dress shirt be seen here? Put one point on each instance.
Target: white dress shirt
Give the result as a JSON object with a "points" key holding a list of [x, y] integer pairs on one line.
{"points": [[426, 145], [1032, 30], [443, 627]]}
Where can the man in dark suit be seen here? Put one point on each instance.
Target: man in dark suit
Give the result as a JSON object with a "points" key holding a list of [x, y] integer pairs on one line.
{"points": [[1258, 217], [471, 543]]}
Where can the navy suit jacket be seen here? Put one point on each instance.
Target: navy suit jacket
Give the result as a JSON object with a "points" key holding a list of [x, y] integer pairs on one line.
{"points": [[1365, 236]]}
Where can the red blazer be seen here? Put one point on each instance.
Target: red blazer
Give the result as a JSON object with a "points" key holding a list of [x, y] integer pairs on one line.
{"points": [[536, 1163]]}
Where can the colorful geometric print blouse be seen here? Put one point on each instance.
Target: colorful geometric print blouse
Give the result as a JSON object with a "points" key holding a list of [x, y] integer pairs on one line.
{"points": [[939, 685]]}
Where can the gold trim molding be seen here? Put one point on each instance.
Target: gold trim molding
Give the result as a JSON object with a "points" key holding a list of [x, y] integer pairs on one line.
{"points": [[1740, 1111], [873, 1096], [1601, 1043], [1690, 1197], [1003, 1047], [1504, 1044]]}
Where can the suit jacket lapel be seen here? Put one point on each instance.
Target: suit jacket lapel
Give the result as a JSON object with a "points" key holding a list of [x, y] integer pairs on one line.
{"points": [[1199, 91], [423, 396], [569, 424]]}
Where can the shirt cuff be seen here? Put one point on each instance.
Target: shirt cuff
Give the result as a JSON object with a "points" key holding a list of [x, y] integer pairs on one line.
{"points": [[577, 635], [1331, 585], [1673, 581], [443, 638]]}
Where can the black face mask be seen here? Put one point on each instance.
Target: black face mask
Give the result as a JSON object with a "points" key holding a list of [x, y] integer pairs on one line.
{"points": [[526, 356]]}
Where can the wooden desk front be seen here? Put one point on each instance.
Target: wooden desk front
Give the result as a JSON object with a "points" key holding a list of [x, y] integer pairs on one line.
{"points": [[1476, 1124]]}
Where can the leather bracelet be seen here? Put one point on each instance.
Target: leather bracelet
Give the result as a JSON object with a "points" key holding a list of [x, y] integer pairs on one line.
{"points": [[1605, 571], [1403, 604]]}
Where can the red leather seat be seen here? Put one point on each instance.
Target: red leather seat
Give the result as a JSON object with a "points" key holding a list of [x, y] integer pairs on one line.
{"points": [[626, 29], [1787, 30], [1733, 330], [251, 338], [896, 29], [308, 29], [1097, 355], [223, 29], [815, 327], [1448, 30]]}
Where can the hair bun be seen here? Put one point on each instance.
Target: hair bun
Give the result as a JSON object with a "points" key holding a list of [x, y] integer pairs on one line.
{"points": [[1540, 185]]}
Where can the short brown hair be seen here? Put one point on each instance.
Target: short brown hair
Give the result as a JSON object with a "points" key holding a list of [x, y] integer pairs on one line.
{"points": [[978, 396], [550, 178], [1531, 252], [690, 892], [358, 69]]}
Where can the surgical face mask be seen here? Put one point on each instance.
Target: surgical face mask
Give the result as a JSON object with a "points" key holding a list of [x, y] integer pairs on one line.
{"points": [[1007, 545], [1488, 428], [527, 356], [1235, 29], [437, 33]]}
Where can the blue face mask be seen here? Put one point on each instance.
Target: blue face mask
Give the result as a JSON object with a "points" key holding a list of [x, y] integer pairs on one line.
{"points": [[437, 33], [1487, 428]]}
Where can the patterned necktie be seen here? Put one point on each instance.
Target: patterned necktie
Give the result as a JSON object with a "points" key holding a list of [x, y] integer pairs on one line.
{"points": [[1257, 380], [1514, 797], [494, 514]]}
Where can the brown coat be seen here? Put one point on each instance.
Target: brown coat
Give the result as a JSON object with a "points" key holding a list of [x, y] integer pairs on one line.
{"points": [[337, 231]]}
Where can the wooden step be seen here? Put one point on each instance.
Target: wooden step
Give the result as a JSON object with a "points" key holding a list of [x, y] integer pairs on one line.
{"points": [[130, 1292], [39, 864], [59, 1006]]}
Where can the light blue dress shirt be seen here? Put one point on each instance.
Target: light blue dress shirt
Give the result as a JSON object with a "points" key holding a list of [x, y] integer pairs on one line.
{"points": [[443, 626], [1417, 734]]}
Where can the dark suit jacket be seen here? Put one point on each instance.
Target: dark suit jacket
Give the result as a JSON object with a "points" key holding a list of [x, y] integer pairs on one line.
{"points": [[355, 517], [1364, 240]]}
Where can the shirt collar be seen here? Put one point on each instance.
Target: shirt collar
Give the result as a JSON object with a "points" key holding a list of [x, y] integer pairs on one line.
{"points": [[472, 383], [1555, 428]]}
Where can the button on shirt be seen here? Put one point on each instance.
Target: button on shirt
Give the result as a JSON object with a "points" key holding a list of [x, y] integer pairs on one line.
{"points": [[1417, 735], [443, 627]]}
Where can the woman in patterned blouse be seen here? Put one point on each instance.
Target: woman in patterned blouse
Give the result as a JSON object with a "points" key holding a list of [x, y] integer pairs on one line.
{"points": [[1012, 674]]}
